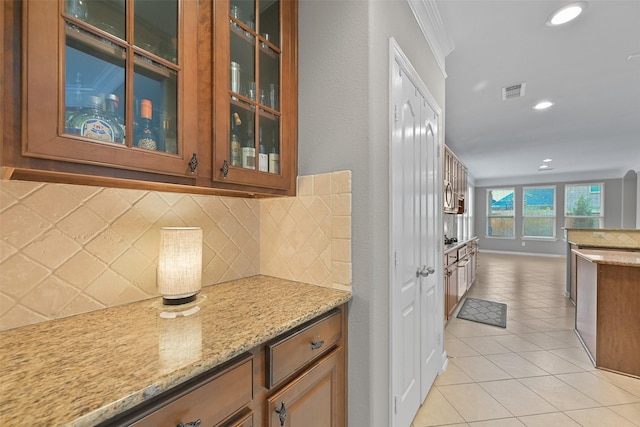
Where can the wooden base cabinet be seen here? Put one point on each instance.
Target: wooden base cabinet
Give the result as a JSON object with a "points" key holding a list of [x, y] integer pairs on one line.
{"points": [[450, 284], [315, 399], [297, 379]]}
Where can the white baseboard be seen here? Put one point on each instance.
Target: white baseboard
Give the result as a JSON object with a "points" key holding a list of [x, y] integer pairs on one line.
{"points": [[521, 253]]}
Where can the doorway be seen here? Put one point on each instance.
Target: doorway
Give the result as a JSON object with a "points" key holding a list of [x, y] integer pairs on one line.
{"points": [[415, 232]]}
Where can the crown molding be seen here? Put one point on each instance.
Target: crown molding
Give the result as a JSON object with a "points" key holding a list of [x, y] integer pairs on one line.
{"points": [[433, 29]]}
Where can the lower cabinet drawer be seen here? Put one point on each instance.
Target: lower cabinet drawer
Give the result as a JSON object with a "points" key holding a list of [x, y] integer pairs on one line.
{"points": [[292, 352], [210, 402]]}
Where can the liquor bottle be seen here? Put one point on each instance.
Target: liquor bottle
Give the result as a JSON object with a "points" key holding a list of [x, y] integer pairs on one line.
{"points": [[263, 159], [274, 157], [249, 148], [91, 122], [111, 111], [146, 137], [235, 140]]}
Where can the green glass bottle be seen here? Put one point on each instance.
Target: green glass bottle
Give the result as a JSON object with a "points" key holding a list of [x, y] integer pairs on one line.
{"points": [[146, 137]]}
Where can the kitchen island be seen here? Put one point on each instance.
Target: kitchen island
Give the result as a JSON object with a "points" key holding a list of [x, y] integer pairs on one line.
{"points": [[608, 308], [86, 369]]}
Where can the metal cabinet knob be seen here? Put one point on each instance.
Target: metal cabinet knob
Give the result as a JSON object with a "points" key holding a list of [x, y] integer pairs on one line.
{"points": [[195, 423], [316, 344]]}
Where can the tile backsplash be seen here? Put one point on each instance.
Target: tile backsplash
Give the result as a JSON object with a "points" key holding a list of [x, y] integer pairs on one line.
{"points": [[622, 239], [70, 249]]}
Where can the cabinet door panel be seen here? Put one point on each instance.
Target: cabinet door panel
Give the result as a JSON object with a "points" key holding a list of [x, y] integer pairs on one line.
{"points": [[256, 76], [315, 399], [72, 55]]}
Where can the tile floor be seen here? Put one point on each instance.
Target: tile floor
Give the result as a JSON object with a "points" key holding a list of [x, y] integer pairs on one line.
{"points": [[534, 372]]}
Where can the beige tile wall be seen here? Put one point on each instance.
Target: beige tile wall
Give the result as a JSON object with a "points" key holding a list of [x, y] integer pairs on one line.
{"points": [[606, 238], [309, 236], [67, 249]]}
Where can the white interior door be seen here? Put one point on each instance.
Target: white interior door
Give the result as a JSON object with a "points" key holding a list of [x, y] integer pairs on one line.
{"points": [[406, 188], [415, 299], [431, 299]]}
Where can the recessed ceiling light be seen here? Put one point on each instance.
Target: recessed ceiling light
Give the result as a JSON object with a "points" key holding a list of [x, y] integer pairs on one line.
{"points": [[547, 160], [543, 168], [566, 13], [543, 105]]}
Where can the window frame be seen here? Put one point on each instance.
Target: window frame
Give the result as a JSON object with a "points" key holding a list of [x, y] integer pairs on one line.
{"points": [[489, 216], [589, 186], [553, 217]]}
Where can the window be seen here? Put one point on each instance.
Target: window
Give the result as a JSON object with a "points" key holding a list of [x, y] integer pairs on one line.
{"points": [[500, 212], [539, 211], [584, 206]]}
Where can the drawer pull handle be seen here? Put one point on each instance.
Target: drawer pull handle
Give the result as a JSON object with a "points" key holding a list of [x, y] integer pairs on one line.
{"points": [[193, 163], [224, 169], [316, 344], [195, 423], [282, 414]]}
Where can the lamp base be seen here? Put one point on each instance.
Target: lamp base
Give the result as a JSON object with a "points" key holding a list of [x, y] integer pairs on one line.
{"points": [[179, 301]]}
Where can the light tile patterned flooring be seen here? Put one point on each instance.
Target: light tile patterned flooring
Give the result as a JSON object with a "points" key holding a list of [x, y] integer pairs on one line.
{"points": [[534, 372]]}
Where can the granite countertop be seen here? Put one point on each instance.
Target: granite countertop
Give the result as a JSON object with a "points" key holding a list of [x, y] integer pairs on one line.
{"points": [[82, 370], [457, 245], [624, 258]]}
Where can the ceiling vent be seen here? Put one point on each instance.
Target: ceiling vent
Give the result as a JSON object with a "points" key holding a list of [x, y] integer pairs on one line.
{"points": [[515, 91]]}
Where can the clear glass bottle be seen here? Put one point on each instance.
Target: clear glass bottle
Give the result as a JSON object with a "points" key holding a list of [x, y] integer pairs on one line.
{"points": [[111, 103], [249, 149], [235, 140], [146, 138], [91, 122]]}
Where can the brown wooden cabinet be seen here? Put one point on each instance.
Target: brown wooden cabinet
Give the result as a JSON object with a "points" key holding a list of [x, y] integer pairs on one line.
{"points": [[296, 379], [455, 176], [607, 315], [213, 398], [314, 399], [255, 93], [450, 283], [166, 66]]}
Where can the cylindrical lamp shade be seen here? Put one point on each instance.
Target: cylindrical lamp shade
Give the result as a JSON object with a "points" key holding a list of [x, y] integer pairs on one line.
{"points": [[180, 264]]}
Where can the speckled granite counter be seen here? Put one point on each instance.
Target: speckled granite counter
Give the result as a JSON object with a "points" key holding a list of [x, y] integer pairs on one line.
{"points": [[626, 258], [454, 246], [81, 370]]}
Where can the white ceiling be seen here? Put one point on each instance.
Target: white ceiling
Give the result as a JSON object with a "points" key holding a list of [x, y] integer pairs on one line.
{"points": [[592, 131]]}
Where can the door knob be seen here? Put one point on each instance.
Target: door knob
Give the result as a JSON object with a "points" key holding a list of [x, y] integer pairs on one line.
{"points": [[425, 271]]}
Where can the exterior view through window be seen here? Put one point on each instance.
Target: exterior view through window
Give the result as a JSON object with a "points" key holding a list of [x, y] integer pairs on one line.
{"points": [[500, 212], [584, 206], [539, 212]]}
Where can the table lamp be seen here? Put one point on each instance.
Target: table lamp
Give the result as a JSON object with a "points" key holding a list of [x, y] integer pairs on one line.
{"points": [[180, 264]]}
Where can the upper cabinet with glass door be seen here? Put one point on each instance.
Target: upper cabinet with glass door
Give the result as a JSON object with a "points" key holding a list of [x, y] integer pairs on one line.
{"points": [[111, 83], [256, 93]]}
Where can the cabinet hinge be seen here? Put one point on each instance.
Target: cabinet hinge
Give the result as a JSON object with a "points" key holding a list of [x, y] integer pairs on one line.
{"points": [[395, 113], [395, 259], [395, 405], [438, 151]]}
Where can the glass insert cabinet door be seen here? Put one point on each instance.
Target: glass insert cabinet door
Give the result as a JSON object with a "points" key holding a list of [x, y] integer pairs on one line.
{"points": [[250, 91], [121, 93]]}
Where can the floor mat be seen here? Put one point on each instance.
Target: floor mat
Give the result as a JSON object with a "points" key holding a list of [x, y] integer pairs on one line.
{"points": [[482, 311]]}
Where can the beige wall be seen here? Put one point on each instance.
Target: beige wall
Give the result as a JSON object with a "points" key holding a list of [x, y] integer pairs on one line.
{"points": [[69, 249]]}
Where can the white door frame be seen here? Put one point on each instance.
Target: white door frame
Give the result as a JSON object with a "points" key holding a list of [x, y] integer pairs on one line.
{"points": [[396, 55]]}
